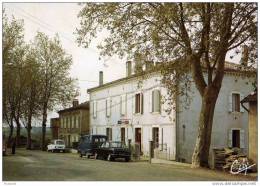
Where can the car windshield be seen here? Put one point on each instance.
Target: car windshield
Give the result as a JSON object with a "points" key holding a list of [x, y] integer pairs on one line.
{"points": [[60, 142], [117, 145]]}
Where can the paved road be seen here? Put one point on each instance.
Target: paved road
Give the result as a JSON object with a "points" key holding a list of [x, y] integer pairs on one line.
{"points": [[43, 166]]}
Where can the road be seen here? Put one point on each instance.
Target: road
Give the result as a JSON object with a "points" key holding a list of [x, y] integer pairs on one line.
{"points": [[43, 166]]}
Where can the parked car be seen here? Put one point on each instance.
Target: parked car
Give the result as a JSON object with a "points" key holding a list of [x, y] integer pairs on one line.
{"points": [[56, 145], [89, 143], [112, 150]]}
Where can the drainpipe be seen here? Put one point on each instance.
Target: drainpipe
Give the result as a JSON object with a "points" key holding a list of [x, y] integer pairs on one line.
{"points": [[177, 128]]}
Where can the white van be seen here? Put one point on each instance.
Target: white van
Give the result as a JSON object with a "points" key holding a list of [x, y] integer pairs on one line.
{"points": [[56, 145]]}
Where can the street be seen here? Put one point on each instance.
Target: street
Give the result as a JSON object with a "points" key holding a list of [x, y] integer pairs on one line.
{"points": [[43, 166]]}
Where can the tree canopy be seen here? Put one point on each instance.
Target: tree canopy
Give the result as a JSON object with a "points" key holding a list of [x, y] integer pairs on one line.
{"points": [[184, 37]]}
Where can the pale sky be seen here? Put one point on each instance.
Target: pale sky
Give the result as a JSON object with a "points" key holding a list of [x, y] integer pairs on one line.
{"points": [[61, 18]]}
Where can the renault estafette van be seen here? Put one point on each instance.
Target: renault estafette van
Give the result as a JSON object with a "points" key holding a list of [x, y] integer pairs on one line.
{"points": [[88, 144]]}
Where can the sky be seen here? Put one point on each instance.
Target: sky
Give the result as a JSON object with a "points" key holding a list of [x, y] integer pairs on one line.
{"points": [[61, 18]]}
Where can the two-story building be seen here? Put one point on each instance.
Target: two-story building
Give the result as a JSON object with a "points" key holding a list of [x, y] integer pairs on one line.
{"points": [[55, 125], [74, 122], [128, 108]]}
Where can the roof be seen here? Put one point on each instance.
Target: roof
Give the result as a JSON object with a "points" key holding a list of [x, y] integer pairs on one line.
{"points": [[82, 106], [252, 97], [229, 67]]}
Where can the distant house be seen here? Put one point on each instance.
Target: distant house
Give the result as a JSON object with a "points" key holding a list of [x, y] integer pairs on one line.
{"points": [[251, 99], [55, 125], [74, 122], [123, 110]]}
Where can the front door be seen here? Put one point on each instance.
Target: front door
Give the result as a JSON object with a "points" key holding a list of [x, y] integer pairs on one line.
{"points": [[156, 137], [69, 145], [138, 137]]}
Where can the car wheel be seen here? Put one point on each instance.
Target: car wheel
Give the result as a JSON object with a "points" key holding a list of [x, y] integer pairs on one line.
{"points": [[96, 156], [127, 159], [52, 151]]}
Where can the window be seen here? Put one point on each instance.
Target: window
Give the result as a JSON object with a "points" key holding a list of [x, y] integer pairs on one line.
{"points": [[78, 122], [235, 102], [94, 109], [139, 103], [236, 138], [108, 107], [156, 101], [109, 133]]}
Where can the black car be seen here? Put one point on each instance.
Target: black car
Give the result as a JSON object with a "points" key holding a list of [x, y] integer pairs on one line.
{"points": [[112, 150], [88, 144]]}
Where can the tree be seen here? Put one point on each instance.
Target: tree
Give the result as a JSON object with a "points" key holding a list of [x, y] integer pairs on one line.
{"points": [[12, 55], [56, 87], [31, 101], [194, 37]]}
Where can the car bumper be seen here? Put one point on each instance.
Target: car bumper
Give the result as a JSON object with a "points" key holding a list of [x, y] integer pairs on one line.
{"points": [[120, 155]]}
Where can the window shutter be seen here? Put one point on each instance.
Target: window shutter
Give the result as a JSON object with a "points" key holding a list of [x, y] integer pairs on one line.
{"points": [[150, 101], [230, 138], [142, 103], [163, 107], [156, 99], [230, 102], [241, 98], [242, 138], [134, 101]]}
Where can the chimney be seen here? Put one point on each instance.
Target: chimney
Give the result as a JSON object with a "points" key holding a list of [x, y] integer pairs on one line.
{"points": [[100, 78], [148, 65], [128, 68], [244, 58], [75, 102]]}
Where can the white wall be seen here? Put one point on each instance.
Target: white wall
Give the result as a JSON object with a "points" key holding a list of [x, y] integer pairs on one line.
{"points": [[146, 121], [223, 119]]}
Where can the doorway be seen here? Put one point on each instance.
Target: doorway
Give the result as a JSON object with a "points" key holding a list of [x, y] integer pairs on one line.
{"points": [[138, 137], [236, 138], [156, 137]]}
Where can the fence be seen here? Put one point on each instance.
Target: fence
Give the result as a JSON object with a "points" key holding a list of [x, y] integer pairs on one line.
{"points": [[161, 151]]}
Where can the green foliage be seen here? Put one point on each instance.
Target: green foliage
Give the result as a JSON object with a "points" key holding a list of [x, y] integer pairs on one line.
{"points": [[168, 32]]}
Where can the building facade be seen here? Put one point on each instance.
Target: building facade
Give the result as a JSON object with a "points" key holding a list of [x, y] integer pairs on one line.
{"points": [[251, 99], [132, 109], [74, 122], [55, 125]]}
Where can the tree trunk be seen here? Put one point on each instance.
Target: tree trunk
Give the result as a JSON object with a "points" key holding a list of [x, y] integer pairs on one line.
{"points": [[18, 132], [10, 132], [29, 138], [200, 155], [29, 128], [44, 120]]}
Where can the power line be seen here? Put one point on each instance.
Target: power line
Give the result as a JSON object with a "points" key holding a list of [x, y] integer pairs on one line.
{"points": [[51, 28]]}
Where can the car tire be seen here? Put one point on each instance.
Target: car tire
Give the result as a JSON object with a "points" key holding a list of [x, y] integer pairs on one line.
{"points": [[127, 159]]}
